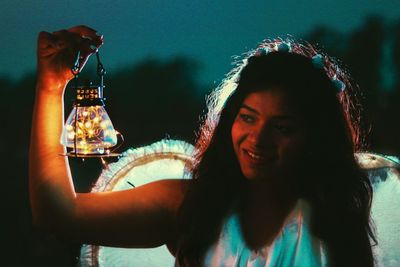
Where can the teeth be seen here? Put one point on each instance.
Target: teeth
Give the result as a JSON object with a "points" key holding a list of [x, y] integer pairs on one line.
{"points": [[254, 156]]}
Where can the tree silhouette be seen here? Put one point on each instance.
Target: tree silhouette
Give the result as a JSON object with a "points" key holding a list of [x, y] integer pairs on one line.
{"points": [[396, 55], [364, 55]]}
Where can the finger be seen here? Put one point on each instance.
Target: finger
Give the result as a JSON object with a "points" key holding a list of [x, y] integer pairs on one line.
{"points": [[86, 31], [46, 43], [74, 42], [92, 44], [66, 44], [45, 39], [65, 39]]}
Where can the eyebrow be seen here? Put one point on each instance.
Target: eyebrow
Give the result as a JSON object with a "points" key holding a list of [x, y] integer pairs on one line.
{"points": [[281, 117], [249, 108]]}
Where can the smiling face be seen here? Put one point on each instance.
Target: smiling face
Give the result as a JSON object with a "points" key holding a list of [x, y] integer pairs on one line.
{"points": [[268, 136]]}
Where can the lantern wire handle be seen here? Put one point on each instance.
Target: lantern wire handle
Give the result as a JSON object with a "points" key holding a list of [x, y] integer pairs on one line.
{"points": [[120, 144], [101, 71], [75, 71]]}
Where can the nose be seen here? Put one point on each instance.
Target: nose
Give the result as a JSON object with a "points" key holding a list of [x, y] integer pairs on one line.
{"points": [[260, 139]]}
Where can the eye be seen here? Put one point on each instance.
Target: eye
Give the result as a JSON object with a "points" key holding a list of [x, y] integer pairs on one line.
{"points": [[247, 118]]}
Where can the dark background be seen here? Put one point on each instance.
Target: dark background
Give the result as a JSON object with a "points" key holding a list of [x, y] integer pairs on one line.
{"points": [[162, 94]]}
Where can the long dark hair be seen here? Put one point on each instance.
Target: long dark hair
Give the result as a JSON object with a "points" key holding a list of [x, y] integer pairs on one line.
{"points": [[338, 191]]}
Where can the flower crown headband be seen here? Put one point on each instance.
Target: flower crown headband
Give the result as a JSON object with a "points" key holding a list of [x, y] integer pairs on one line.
{"points": [[319, 60], [345, 88]]}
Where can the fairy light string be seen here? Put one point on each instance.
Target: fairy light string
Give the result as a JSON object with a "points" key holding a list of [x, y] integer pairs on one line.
{"points": [[89, 130]]}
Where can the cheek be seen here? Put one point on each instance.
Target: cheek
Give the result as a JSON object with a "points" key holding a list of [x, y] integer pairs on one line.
{"points": [[236, 133], [237, 136]]}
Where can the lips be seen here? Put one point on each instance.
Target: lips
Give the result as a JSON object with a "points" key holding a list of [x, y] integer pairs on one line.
{"points": [[256, 157]]}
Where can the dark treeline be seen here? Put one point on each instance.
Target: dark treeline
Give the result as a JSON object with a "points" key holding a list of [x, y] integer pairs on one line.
{"points": [[155, 99], [372, 55]]}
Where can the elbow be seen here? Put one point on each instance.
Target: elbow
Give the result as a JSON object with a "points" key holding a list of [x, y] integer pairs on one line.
{"points": [[62, 230], [43, 226], [52, 214], [46, 223], [60, 225]]}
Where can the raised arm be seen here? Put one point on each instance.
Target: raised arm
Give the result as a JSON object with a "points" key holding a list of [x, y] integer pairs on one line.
{"points": [[141, 217]]}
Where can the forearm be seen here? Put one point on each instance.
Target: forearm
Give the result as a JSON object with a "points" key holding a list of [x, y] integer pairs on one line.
{"points": [[51, 189]]}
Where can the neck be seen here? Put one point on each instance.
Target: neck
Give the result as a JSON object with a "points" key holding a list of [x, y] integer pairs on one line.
{"points": [[263, 211], [263, 197]]}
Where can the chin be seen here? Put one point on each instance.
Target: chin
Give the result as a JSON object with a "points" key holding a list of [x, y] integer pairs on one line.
{"points": [[254, 176]]}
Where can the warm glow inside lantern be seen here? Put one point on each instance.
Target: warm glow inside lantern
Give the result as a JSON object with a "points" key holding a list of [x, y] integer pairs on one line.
{"points": [[88, 130]]}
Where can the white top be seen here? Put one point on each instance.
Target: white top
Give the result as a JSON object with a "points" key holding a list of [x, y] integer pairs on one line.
{"points": [[294, 246]]}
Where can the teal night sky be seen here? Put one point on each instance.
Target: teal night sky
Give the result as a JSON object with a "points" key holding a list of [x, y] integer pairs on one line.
{"points": [[210, 32]]}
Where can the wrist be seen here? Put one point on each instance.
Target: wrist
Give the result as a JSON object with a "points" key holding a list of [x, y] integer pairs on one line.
{"points": [[50, 83]]}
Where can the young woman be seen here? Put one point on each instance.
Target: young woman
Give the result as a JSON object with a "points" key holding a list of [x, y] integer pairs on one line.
{"points": [[275, 181]]}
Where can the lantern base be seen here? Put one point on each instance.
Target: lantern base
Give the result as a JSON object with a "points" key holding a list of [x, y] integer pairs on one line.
{"points": [[80, 155]]}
